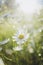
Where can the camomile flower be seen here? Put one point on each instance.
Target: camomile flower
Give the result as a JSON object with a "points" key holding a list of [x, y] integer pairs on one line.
{"points": [[18, 48], [21, 36]]}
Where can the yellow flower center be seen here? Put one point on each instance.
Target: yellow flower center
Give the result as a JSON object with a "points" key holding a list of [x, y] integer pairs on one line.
{"points": [[21, 36]]}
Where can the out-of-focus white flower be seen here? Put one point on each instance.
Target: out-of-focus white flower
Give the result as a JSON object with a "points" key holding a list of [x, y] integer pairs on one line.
{"points": [[39, 54], [9, 51], [1, 61], [4, 42], [18, 48], [21, 36], [30, 49]]}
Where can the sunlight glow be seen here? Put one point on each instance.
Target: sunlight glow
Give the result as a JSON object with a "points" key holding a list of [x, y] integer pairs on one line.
{"points": [[27, 6]]}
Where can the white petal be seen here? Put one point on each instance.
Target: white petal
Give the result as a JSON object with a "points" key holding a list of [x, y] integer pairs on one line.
{"points": [[18, 48], [1, 61], [20, 42], [5, 41]]}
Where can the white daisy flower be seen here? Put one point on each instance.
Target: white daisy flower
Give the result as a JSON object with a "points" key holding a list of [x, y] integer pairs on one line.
{"points": [[1, 61], [21, 36], [4, 42], [18, 48]]}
